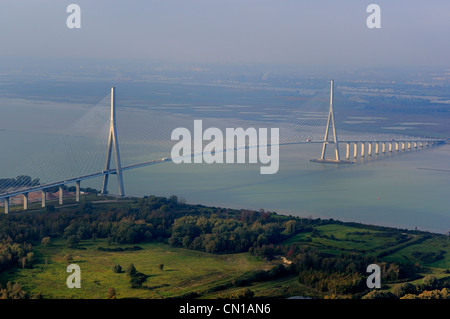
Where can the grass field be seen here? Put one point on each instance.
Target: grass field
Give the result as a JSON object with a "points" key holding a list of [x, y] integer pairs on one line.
{"points": [[184, 271], [337, 238], [433, 245]]}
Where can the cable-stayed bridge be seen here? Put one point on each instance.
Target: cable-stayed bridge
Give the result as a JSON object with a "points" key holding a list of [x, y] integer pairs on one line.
{"points": [[356, 147]]}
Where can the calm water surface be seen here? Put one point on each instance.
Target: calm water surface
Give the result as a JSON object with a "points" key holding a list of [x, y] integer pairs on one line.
{"points": [[49, 142]]}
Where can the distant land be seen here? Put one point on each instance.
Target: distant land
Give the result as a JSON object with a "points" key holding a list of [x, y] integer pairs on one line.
{"points": [[368, 99]]}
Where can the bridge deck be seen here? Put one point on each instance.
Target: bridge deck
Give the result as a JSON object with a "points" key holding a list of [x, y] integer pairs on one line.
{"points": [[133, 166]]}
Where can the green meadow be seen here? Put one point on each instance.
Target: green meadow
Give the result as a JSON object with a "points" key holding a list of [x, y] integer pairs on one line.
{"points": [[184, 271], [336, 238]]}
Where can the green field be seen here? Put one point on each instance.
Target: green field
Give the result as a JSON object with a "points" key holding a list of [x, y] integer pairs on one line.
{"points": [[184, 271], [431, 245], [339, 238]]}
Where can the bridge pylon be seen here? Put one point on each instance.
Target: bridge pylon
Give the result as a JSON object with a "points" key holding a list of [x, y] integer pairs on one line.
{"points": [[113, 143], [331, 127]]}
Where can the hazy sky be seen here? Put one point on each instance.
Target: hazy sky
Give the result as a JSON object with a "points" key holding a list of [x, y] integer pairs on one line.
{"points": [[413, 32]]}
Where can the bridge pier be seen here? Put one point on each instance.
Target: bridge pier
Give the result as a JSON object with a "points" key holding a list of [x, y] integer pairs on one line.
{"points": [[44, 198], [369, 148], [77, 191], [61, 195], [6, 205], [25, 201]]}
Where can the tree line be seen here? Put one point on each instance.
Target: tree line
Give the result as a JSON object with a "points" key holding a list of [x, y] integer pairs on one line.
{"points": [[197, 227]]}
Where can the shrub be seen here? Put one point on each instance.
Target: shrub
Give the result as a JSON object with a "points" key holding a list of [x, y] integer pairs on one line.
{"points": [[111, 293], [404, 289], [117, 268], [131, 270], [379, 294], [73, 240]]}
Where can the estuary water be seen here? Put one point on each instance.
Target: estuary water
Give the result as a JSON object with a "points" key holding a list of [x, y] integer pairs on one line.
{"points": [[54, 141], [389, 190]]}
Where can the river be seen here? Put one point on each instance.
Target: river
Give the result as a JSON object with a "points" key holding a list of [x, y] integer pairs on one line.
{"points": [[49, 141]]}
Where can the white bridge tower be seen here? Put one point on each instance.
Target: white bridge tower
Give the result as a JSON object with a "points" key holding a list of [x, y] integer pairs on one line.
{"points": [[334, 140], [113, 142]]}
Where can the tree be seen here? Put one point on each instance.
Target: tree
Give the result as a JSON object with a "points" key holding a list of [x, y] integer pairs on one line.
{"points": [[73, 240], [117, 268], [131, 270], [404, 289], [86, 207], [23, 262], [290, 227], [173, 199], [391, 274], [379, 294], [13, 291], [433, 294], [430, 282], [137, 279], [28, 259], [261, 240]]}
